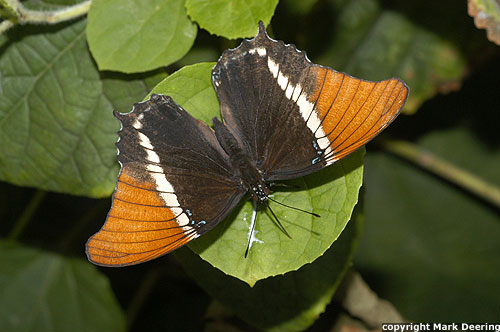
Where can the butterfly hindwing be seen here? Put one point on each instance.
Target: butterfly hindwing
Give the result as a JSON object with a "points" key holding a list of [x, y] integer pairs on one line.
{"points": [[175, 184], [294, 117]]}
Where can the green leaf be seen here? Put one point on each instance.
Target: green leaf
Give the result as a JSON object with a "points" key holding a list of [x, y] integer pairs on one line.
{"points": [[41, 291], [138, 35], [291, 302], [332, 193], [191, 87], [375, 43], [486, 15], [427, 241], [231, 19], [57, 130]]}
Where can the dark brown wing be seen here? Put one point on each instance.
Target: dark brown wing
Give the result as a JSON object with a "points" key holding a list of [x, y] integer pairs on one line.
{"points": [[294, 117], [175, 184]]}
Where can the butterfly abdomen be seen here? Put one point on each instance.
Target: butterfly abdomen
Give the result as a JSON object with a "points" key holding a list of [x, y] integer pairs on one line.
{"points": [[244, 167]]}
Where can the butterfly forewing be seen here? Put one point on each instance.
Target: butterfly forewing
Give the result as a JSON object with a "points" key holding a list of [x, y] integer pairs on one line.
{"points": [[294, 117], [175, 184], [349, 112]]}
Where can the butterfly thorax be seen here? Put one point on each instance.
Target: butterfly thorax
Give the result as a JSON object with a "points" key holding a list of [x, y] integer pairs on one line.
{"points": [[245, 170]]}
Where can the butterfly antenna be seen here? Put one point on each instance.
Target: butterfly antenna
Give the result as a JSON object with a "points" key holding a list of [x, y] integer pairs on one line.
{"points": [[279, 223], [252, 229], [295, 208], [284, 185]]}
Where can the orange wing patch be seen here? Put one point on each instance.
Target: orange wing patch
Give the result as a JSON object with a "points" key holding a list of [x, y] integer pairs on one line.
{"points": [[139, 226], [353, 111]]}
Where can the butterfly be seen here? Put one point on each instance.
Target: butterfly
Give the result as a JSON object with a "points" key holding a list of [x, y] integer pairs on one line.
{"points": [[283, 117]]}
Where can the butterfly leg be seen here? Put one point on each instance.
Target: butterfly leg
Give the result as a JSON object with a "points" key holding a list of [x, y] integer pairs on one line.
{"points": [[251, 234]]}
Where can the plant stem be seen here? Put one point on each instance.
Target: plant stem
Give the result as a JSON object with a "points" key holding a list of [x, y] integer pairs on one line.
{"points": [[6, 25], [26, 216], [54, 16], [26, 15], [445, 169]]}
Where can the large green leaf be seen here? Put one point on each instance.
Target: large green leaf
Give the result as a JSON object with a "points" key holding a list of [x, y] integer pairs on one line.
{"points": [[425, 240], [376, 43], [57, 130], [291, 302], [138, 35], [40, 291], [332, 193], [192, 88], [231, 19]]}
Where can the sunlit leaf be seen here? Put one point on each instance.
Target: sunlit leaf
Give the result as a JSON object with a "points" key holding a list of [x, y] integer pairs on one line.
{"points": [[57, 130], [192, 88], [231, 19], [138, 35]]}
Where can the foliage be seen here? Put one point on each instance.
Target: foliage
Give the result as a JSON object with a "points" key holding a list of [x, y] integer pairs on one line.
{"points": [[425, 238], [231, 19], [135, 36], [64, 293], [486, 15]]}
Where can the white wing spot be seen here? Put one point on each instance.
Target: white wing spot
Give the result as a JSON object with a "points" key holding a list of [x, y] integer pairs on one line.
{"points": [[282, 81], [259, 50], [273, 67], [167, 192], [144, 141], [154, 169], [289, 91], [296, 92], [152, 156], [137, 124], [306, 108], [323, 142]]}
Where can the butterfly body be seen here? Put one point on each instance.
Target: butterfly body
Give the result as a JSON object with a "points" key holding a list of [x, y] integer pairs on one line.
{"points": [[245, 170], [283, 117]]}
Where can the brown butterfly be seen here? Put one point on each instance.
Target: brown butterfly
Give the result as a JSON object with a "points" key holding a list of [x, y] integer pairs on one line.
{"points": [[284, 117]]}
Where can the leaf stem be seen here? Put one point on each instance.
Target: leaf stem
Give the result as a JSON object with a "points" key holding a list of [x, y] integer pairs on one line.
{"points": [[26, 216], [6, 25], [25, 15], [445, 169], [54, 16]]}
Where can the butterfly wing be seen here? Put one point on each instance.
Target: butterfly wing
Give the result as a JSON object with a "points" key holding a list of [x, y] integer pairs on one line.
{"points": [[175, 184], [294, 117]]}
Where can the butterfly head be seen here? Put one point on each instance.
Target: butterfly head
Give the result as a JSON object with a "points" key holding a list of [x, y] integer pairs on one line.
{"points": [[259, 192]]}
